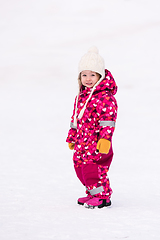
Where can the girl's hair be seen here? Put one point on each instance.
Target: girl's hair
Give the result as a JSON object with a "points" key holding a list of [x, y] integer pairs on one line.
{"points": [[80, 82]]}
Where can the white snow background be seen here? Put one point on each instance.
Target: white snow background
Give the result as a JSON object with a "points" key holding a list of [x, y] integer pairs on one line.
{"points": [[41, 43]]}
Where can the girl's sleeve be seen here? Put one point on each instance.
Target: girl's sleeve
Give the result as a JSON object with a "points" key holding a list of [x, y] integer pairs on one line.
{"points": [[72, 131], [107, 111]]}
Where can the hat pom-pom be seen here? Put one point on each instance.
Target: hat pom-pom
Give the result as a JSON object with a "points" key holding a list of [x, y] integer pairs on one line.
{"points": [[93, 49]]}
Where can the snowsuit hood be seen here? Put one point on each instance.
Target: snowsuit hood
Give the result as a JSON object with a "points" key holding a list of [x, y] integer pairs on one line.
{"points": [[108, 83]]}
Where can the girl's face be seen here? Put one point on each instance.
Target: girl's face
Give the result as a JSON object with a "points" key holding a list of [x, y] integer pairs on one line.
{"points": [[89, 78]]}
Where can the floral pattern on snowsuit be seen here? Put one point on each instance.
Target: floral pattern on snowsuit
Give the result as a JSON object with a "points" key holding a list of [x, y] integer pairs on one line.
{"points": [[101, 107]]}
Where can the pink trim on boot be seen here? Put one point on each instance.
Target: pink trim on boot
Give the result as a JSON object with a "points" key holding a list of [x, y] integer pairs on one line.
{"points": [[97, 202]]}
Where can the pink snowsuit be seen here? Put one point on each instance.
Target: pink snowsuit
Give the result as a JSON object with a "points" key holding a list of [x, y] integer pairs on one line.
{"points": [[98, 121]]}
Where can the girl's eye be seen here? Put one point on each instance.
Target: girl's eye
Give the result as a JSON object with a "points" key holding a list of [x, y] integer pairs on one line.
{"points": [[83, 75], [93, 75]]}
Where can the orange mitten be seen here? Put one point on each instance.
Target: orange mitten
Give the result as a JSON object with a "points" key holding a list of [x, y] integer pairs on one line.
{"points": [[103, 145], [71, 145]]}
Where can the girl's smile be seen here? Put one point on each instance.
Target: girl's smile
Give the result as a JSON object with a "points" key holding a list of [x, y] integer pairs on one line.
{"points": [[89, 78]]}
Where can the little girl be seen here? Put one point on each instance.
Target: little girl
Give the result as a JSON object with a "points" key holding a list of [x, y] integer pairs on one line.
{"points": [[92, 127]]}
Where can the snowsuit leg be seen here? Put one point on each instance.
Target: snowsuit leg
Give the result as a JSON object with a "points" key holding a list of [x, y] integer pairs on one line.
{"points": [[94, 175], [103, 184]]}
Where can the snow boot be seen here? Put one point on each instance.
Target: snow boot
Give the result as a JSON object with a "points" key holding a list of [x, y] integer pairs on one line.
{"points": [[83, 200], [97, 202]]}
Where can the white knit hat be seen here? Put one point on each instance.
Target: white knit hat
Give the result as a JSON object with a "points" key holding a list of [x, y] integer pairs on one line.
{"points": [[92, 61]]}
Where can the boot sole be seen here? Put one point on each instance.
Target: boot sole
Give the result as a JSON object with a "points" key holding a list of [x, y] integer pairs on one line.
{"points": [[104, 204], [80, 203]]}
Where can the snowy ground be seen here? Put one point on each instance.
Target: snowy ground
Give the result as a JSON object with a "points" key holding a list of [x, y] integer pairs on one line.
{"points": [[41, 43]]}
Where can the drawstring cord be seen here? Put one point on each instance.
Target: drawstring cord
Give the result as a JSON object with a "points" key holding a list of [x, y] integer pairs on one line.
{"points": [[84, 108]]}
